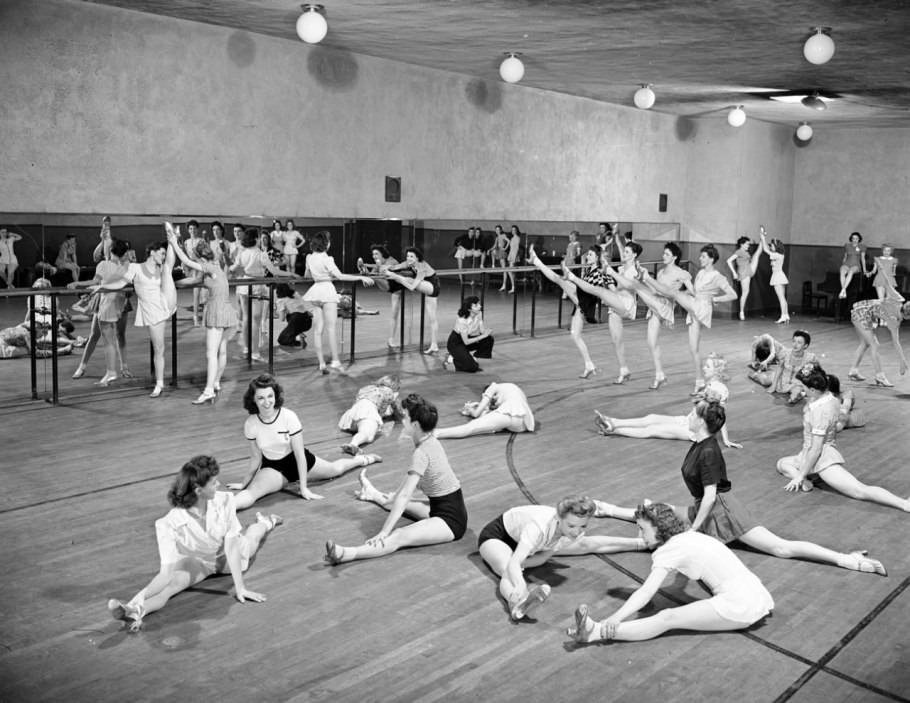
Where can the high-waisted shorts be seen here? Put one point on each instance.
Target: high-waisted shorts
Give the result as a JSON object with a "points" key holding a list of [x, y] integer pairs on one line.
{"points": [[452, 511], [287, 465]]}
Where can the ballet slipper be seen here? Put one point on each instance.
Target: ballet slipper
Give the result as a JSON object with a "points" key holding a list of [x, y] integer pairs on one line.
{"points": [[334, 553], [536, 595], [270, 522], [865, 564]]}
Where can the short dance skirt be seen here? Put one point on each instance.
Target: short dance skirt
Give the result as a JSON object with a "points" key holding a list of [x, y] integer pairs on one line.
{"points": [[496, 529], [728, 520], [220, 314], [287, 465], [704, 310], [883, 280], [829, 456], [322, 292], [451, 509], [665, 310], [744, 600], [630, 305], [779, 278], [363, 409]]}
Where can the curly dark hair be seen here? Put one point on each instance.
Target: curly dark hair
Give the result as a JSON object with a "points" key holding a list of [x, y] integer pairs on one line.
{"points": [[421, 411], [265, 380], [711, 251], [195, 473], [320, 240], [674, 250], [813, 376], [582, 506], [635, 247], [665, 520], [465, 309], [713, 413]]}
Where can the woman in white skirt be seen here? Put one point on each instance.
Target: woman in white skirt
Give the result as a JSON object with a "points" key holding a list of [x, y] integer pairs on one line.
{"points": [[503, 406]]}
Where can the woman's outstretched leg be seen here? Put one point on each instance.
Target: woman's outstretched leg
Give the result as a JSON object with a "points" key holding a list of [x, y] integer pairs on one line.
{"points": [[324, 469], [485, 424], [432, 530], [762, 539], [844, 482], [699, 615], [614, 321], [168, 289], [654, 346]]}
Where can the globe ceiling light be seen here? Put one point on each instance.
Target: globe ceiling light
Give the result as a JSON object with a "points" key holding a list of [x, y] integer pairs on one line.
{"points": [[804, 132], [819, 48], [311, 25], [644, 97], [737, 116], [512, 69], [814, 101]]}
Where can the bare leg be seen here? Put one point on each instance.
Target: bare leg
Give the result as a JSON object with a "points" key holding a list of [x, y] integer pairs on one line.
{"points": [[370, 494], [485, 424], [330, 321], [324, 469], [267, 480], [780, 290], [432, 530], [654, 346], [394, 320], [365, 434], [614, 321], [430, 305], [762, 539], [213, 337], [318, 325], [844, 482], [93, 336], [226, 336], [699, 615], [156, 335], [694, 344], [575, 329], [168, 289], [744, 283]]}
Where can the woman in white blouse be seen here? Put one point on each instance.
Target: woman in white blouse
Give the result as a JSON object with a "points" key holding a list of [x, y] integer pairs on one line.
{"points": [[470, 339], [503, 406]]}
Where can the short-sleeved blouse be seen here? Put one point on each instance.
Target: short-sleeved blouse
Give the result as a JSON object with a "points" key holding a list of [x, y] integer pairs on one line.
{"points": [[431, 464], [323, 270], [180, 535], [470, 326], [535, 526], [853, 255], [273, 438], [704, 465]]}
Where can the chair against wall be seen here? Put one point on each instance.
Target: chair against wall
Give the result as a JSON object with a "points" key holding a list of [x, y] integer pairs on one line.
{"points": [[814, 301]]}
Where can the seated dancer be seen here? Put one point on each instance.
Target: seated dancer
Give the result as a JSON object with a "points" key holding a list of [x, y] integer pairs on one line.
{"points": [[585, 304], [445, 519], [718, 513], [15, 343], [819, 457], [503, 406], [848, 415], [527, 536], [470, 339], [672, 426], [200, 536], [866, 315], [365, 417], [277, 454], [738, 597], [766, 351], [784, 377]]}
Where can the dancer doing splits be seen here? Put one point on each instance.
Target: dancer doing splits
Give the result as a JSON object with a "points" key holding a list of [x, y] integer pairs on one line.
{"points": [[365, 417], [219, 317], [277, 454], [710, 288], [527, 536], [819, 457], [866, 315], [718, 513], [470, 339], [743, 267], [424, 281], [503, 406], [445, 519], [200, 536], [738, 597], [585, 303]]}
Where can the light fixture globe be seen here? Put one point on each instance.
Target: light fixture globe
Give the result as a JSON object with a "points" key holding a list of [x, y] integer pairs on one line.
{"points": [[819, 48], [512, 69], [804, 132], [311, 25], [737, 116], [644, 97], [814, 101]]}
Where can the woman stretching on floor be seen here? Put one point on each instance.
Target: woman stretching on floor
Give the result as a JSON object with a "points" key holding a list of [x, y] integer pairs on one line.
{"points": [[819, 456], [470, 339], [445, 519], [743, 267], [585, 303], [866, 315], [527, 536], [200, 536], [277, 454], [718, 513], [672, 426], [711, 287], [621, 301], [503, 406], [739, 599], [365, 417]]}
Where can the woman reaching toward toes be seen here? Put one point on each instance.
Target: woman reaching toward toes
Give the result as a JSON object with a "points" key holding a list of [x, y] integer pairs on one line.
{"points": [[503, 406], [445, 519], [527, 536], [199, 537], [738, 597], [277, 454]]}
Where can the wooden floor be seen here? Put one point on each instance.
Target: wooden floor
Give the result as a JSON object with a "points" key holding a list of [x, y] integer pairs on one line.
{"points": [[83, 483]]}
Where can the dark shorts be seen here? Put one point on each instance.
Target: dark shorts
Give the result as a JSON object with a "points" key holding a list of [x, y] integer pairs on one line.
{"points": [[433, 281], [452, 511], [287, 465], [587, 303], [496, 529]]}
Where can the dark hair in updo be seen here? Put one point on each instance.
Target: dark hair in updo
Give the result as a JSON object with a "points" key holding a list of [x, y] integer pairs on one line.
{"points": [[421, 411], [665, 520], [195, 473], [713, 413]]}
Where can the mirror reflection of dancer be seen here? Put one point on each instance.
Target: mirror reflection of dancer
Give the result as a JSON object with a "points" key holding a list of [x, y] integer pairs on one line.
{"points": [[292, 240], [585, 303], [621, 302], [219, 316], [364, 419], [382, 261], [718, 513], [8, 260], [503, 406], [819, 457], [499, 252], [470, 339], [66, 257], [672, 426], [426, 282], [444, 520], [277, 454], [512, 255], [711, 287], [528, 536], [853, 262], [464, 249], [775, 251], [200, 536], [884, 268], [738, 597], [743, 267], [866, 315], [324, 298]]}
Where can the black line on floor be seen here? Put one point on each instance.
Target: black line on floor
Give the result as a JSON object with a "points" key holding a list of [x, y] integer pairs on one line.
{"points": [[814, 666]]}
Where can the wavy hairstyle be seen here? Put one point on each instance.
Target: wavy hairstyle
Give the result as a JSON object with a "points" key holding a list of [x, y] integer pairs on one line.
{"points": [[265, 380], [195, 473], [665, 520]]}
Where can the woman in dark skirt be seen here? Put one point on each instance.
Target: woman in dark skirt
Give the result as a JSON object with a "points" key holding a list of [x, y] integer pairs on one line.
{"points": [[718, 513], [470, 339]]}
